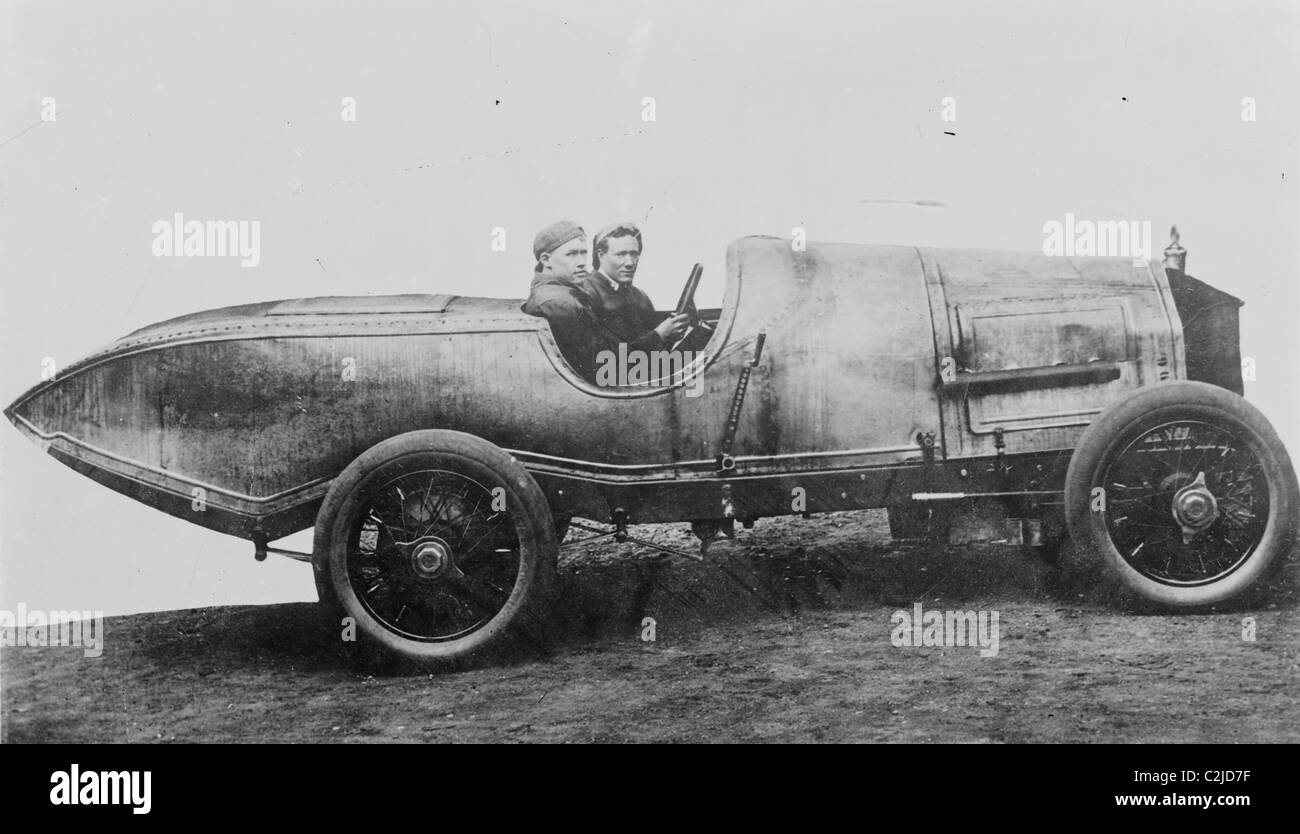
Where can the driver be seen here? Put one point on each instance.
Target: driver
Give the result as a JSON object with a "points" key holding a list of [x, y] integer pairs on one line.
{"points": [[624, 312]]}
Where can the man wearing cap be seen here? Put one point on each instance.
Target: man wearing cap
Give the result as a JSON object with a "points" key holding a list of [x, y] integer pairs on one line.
{"points": [[624, 312], [560, 250], [561, 253]]}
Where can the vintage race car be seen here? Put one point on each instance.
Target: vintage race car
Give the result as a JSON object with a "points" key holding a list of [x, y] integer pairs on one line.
{"points": [[442, 445]]}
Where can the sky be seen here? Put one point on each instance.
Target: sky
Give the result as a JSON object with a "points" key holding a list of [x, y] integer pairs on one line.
{"points": [[472, 118]]}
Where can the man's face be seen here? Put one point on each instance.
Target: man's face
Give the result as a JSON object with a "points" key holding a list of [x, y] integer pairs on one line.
{"points": [[619, 261], [567, 262]]}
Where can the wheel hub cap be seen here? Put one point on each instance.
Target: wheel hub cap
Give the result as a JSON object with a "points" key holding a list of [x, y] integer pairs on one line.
{"points": [[1195, 507], [431, 559]]}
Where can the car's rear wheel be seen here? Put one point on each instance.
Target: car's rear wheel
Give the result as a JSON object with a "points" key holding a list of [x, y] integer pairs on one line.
{"points": [[1184, 495], [437, 545]]}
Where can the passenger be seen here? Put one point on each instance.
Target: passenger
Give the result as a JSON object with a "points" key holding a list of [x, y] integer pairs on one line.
{"points": [[561, 253], [563, 266], [624, 312]]}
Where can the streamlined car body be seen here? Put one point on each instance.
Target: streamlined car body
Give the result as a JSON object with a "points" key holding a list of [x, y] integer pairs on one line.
{"points": [[442, 444]]}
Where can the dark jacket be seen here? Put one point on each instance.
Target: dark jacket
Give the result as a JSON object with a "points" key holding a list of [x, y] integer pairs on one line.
{"points": [[568, 310], [625, 314]]}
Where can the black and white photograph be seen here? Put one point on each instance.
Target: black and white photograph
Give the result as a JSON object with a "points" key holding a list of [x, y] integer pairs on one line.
{"points": [[652, 371]]}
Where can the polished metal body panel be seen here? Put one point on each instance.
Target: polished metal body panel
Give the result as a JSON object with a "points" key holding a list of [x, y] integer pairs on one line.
{"points": [[868, 350]]}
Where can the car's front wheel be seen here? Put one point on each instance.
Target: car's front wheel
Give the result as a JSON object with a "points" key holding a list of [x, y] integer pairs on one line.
{"points": [[1184, 493]]}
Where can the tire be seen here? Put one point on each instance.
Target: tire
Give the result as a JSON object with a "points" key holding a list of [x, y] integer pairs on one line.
{"points": [[1156, 535], [439, 546]]}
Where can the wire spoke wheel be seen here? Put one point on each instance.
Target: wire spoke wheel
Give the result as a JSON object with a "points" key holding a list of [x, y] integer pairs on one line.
{"points": [[430, 558], [1187, 502], [438, 544], [1183, 494]]}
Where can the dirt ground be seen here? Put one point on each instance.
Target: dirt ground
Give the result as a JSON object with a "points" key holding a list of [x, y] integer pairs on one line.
{"points": [[783, 635]]}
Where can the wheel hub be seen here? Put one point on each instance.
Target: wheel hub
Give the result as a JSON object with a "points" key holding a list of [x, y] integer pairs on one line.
{"points": [[431, 558], [1195, 508]]}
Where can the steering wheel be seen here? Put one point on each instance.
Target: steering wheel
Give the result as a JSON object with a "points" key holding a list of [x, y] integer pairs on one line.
{"points": [[686, 304]]}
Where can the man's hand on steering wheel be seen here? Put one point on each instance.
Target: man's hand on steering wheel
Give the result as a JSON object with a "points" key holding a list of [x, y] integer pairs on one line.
{"points": [[673, 328], [687, 311]]}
